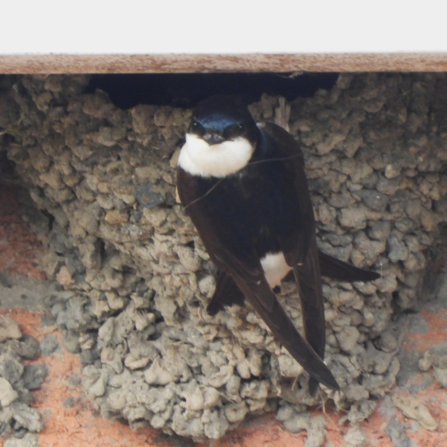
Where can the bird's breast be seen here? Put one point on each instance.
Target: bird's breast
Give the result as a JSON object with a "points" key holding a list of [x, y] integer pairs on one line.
{"points": [[248, 210]]}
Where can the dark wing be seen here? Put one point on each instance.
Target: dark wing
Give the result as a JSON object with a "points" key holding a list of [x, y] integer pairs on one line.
{"points": [[299, 245], [228, 293], [308, 278], [295, 243], [285, 332], [249, 277]]}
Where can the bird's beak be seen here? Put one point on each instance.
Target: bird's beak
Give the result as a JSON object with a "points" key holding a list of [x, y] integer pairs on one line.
{"points": [[213, 138]]}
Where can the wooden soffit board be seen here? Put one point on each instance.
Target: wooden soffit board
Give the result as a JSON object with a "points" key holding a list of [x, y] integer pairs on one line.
{"points": [[205, 63]]}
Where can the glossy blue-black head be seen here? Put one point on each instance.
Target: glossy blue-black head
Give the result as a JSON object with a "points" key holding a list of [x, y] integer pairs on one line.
{"points": [[223, 118]]}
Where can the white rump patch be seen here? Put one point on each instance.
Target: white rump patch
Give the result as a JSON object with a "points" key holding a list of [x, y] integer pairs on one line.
{"points": [[275, 268], [199, 158]]}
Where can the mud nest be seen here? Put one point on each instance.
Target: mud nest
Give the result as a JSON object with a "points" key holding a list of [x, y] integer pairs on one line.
{"points": [[136, 278]]}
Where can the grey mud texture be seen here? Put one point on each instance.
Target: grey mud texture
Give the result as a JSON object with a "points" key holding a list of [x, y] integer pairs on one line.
{"points": [[136, 278], [17, 379]]}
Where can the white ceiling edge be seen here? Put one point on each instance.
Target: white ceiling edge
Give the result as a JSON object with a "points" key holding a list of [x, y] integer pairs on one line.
{"points": [[198, 53], [157, 27]]}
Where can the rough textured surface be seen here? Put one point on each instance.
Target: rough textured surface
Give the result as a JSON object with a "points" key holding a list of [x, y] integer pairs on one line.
{"points": [[17, 419], [136, 275]]}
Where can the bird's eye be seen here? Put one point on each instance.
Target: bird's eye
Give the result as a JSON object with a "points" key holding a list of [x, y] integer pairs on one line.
{"points": [[234, 131], [196, 128]]}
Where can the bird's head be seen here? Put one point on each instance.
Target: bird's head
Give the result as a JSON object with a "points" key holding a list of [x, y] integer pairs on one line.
{"points": [[221, 138]]}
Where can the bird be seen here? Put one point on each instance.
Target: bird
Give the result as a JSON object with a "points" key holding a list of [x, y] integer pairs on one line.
{"points": [[244, 187]]}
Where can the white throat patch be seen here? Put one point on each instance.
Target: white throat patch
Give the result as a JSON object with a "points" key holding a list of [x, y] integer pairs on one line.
{"points": [[197, 157]]}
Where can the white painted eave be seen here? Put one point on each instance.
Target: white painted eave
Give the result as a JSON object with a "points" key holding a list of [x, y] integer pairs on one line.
{"points": [[99, 36]]}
